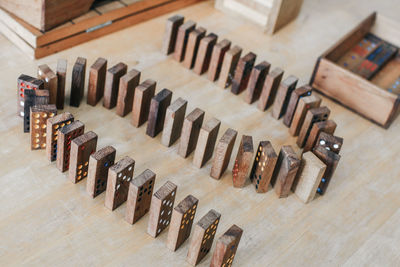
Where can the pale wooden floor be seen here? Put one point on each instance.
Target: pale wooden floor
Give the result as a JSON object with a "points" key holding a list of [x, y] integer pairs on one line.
{"points": [[46, 220]]}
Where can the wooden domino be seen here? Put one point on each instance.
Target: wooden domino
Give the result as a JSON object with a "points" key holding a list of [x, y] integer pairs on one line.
{"points": [[270, 89], [181, 222], [228, 67], [256, 81], [50, 82], [97, 79], [158, 108], [119, 176], [206, 142], [25, 82], [64, 139], [161, 207], [139, 196], [242, 73], [141, 102], [331, 160], [111, 86], [204, 53], [53, 125], [283, 95], [327, 126], [330, 142], [203, 237], [190, 132], [174, 117], [263, 166], [223, 153], [217, 58], [171, 31], [241, 168], [298, 93], [312, 116], [182, 39], [99, 164], [305, 104], [81, 149], [309, 177], [126, 91], [32, 98], [226, 247], [285, 171], [38, 120], [192, 46], [78, 82], [61, 80]]}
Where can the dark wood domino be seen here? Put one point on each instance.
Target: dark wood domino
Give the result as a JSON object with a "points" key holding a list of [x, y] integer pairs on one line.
{"points": [[256, 81], [32, 98], [313, 115], [111, 86], [39, 115], [223, 153], [242, 73], [263, 166], [192, 46], [305, 104], [161, 207], [61, 80], [53, 125], [330, 142], [328, 126], [298, 93], [228, 67], [25, 82], [141, 102], [64, 139], [173, 124], [182, 39], [226, 247], [97, 79], [126, 91], [190, 132], [217, 58], [50, 82], [283, 95], [270, 89], [244, 157], [158, 108], [78, 82], [170, 34], [203, 57], [331, 160], [206, 142]]}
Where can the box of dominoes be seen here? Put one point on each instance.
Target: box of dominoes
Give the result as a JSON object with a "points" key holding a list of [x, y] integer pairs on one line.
{"points": [[362, 70]]}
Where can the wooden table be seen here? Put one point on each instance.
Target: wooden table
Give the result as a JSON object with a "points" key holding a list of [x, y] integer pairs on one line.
{"points": [[47, 220]]}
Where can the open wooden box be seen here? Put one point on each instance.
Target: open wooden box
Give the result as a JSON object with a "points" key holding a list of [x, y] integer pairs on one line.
{"points": [[369, 98]]}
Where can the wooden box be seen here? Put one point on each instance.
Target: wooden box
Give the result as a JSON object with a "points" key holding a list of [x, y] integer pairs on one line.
{"points": [[368, 98]]}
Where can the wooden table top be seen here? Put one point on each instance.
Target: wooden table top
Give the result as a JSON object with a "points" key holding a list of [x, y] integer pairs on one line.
{"points": [[47, 220]]}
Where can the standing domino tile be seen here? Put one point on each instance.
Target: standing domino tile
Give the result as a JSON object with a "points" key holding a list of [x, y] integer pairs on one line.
{"points": [[192, 47], [206, 142], [97, 79], [298, 93], [204, 53], [256, 81], [99, 164], [141, 102], [305, 104], [126, 91], [32, 98], [217, 58], [263, 166], [25, 82], [111, 87], [242, 73], [328, 126], [203, 237], [190, 132], [119, 176], [173, 122], [171, 31], [270, 89], [283, 96], [228, 67], [78, 82], [139, 196], [182, 39], [39, 115], [50, 82], [181, 222], [158, 108], [223, 153], [53, 125], [162, 203], [241, 168], [61, 80], [226, 247], [330, 142], [81, 149], [313, 115]]}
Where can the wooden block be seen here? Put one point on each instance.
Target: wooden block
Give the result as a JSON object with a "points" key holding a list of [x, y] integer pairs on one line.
{"points": [[53, 125], [305, 104], [242, 73], [241, 169], [256, 81], [113, 76], [119, 176], [173, 122], [64, 139], [192, 46], [139, 196], [223, 153], [308, 177], [158, 108], [50, 81], [99, 164], [203, 237], [141, 102], [162, 203], [270, 88], [298, 93], [285, 171], [81, 148], [263, 166], [204, 53], [126, 91], [328, 126], [39, 115], [97, 79], [283, 96], [25, 82], [171, 31], [330, 142], [190, 132], [181, 222], [78, 82], [61, 80], [228, 67], [206, 142], [182, 39], [217, 58], [313, 115], [331, 160], [226, 247], [32, 98]]}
